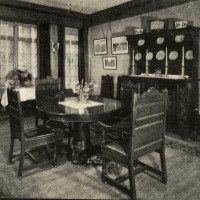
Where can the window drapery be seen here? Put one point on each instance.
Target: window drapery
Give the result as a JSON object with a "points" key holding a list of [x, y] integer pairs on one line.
{"points": [[18, 49], [6, 51], [27, 48], [71, 57]]}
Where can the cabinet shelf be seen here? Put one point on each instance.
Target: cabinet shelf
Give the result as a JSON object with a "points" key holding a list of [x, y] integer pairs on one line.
{"points": [[174, 77]]}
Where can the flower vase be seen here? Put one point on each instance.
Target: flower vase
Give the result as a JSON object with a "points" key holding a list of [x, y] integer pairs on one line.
{"points": [[82, 97]]}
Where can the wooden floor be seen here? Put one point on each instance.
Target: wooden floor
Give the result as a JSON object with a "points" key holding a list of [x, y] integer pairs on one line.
{"points": [[70, 181]]}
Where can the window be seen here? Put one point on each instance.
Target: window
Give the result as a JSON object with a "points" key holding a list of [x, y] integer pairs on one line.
{"points": [[27, 48], [18, 49], [71, 57]]}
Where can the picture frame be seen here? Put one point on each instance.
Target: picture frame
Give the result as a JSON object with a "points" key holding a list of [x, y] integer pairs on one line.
{"points": [[119, 45], [110, 63], [100, 46]]}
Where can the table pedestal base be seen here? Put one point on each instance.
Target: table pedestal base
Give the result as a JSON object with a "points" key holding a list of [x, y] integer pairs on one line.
{"points": [[81, 145]]}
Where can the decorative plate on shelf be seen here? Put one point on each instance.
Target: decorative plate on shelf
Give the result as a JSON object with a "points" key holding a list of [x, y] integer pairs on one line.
{"points": [[157, 25], [138, 56], [160, 40], [141, 42], [180, 24], [179, 38], [138, 31], [189, 55], [160, 55], [149, 56], [173, 55]]}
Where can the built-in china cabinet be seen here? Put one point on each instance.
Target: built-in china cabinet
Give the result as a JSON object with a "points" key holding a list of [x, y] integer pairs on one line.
{"points": [[167, 59]]}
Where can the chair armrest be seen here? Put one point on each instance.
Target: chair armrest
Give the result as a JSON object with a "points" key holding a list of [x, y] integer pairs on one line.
{"points": [[109, 127], [60, 96], [122, 118]]}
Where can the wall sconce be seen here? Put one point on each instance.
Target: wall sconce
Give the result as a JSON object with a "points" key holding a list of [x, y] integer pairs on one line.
{"points": [[55, 46]]}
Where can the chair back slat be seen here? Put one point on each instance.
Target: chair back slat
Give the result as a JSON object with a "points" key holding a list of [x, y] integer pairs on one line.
{"points": [[149, 113], [126, 91], [149, 109], [142, 121], [15, 114], [148, 133], [107, 86], [47, 89]]}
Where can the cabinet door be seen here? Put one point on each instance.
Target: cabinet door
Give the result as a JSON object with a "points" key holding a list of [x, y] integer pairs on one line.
{"points": [[156, 52]]}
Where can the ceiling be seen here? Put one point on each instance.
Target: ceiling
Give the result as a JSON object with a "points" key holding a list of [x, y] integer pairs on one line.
{"points": [[82, 6]]}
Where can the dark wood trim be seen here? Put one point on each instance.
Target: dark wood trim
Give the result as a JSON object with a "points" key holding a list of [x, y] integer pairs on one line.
{"points": [[42, 9], [31, 13], [26, 12], [81, 58], [61, 54], [85, 55], [44, 48], [131, 9]]}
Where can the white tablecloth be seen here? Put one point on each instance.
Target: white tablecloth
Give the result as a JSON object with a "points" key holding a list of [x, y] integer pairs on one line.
{"points": [[76, 104], [26, 93]]}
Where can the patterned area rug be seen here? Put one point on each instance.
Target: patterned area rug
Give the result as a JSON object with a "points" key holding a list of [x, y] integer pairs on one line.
{"points": [[4, 192]]}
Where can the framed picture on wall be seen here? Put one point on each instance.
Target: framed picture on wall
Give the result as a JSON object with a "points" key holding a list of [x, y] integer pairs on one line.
{"points": [[100, 46], [119, 45], [110, 62]]}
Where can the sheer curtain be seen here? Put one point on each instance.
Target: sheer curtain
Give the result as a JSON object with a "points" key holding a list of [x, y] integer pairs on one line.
{"points": [[27, 48], [18, 49], [71, 57], [6, 51]]}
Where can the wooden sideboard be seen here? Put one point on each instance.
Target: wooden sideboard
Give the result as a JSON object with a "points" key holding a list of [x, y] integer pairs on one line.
{"points": [[167, 59], [182, 99]]}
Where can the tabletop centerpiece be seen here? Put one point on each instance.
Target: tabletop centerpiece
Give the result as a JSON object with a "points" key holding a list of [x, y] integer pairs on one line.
{"points": [[84, 90], [17, 77]]}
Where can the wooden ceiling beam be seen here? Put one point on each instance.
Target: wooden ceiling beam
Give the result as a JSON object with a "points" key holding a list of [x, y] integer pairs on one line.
{"points": [[26, 6], [131, 9]]}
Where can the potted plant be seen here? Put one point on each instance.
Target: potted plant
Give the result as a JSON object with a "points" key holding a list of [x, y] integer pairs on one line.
{"points": [[18, 77]]}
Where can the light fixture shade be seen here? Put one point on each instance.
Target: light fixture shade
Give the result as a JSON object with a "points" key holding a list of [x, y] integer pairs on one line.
{"points": [[55, 46]]}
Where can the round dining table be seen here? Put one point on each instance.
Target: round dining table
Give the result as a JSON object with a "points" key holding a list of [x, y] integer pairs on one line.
{"points": [[80, 114]]}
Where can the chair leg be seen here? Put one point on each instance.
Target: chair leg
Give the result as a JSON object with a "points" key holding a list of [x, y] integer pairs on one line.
{"points": [[21, 163], [131, 172], [70, 140], [104, 172], [163, 165], [12, 141], [36, 119], [55, 156]]}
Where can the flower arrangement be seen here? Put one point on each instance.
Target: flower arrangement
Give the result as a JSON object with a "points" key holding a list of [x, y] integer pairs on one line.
{"points": [[84, 90], [19, 76]]}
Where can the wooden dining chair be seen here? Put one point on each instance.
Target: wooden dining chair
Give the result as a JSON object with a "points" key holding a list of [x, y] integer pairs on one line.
{"points": [[47, 89], [127, 88], [30, 139], [146, 135], [123, 114]]}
